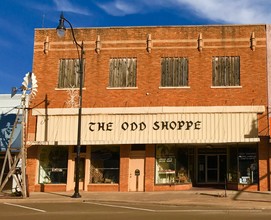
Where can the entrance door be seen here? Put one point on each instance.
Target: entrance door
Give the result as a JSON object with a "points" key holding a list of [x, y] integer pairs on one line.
{"points": [[136, 172], [211, 169]]}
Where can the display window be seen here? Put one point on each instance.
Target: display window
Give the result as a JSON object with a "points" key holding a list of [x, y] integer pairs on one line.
{"points": [[53, 165], [233, 165], [104, 168], [248, 167], [243, 166], [174, 164]]}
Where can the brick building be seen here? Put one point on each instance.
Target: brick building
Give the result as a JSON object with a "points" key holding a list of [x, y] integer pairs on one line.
{"points": [[181, 106]]}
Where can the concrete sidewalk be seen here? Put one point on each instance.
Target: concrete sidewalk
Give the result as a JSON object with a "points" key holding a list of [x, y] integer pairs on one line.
{"points": [[202, 198]]}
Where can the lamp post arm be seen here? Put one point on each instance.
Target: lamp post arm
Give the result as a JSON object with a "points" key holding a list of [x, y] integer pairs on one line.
{"points": [[73, 36]]}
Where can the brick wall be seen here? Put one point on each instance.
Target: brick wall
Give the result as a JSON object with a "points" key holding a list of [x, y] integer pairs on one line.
{"points": [[264, 165], [31, 167], [166, 41]]}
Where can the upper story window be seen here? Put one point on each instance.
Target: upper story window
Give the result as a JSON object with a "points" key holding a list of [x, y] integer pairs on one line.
{"points": [[122, 72], [226, 71], [69, 73], [174, 72]]}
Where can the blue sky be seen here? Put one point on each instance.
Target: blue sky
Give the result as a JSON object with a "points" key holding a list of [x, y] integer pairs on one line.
{"points": [[19, 18]]}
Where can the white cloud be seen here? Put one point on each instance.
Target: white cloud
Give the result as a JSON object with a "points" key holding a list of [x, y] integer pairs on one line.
{"points": [[67, 6], [225, 11], [231, 11], [121, 7]]}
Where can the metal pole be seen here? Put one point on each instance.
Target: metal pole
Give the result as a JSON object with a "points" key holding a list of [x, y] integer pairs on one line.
{"points": [[78, 147], [23, 149], [62, 29]]}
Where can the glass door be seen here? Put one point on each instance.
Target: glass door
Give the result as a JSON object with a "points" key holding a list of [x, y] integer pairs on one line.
{"points": [[202, 168], [212, 168], [222, 168]]}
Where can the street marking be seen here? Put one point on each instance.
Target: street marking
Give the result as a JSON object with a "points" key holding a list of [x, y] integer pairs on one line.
{"points": [[211, 210], [179, 210], [25, 207], [120, 206]]}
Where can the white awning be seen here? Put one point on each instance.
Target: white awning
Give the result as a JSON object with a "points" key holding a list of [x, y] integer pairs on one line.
{"points": [[149, 125]]}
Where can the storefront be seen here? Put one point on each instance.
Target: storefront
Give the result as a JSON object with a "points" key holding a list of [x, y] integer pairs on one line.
{"points": [[149, 149]]}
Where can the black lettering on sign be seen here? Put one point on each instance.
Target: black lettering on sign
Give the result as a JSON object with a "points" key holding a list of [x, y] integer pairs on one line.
{"points": [[164, 125], [155, 125], [172, 125], [189, 125], [197, 125], [91, 124], [124, 126], [180, 124], [176, 125], [141, 126], [133, 126], [109, 126], [101, 126]]}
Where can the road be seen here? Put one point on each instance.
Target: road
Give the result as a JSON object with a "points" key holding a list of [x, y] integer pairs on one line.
{"points": [[93, 210]]}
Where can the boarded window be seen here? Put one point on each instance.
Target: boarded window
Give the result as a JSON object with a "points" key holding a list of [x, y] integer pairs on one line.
{"points": [[226, 71], [69, 73], [174, 72], [122, 72]]}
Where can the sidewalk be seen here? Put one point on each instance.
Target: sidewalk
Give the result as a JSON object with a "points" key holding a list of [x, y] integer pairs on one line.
{"points": [[201, 198]]}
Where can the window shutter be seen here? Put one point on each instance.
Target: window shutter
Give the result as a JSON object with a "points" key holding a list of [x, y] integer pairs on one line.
{"points": [[69, 73], [226, 71], [174, 72], [122, 72]]}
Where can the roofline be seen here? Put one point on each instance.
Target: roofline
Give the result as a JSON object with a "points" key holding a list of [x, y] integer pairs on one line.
{"points": [[158, 26]]}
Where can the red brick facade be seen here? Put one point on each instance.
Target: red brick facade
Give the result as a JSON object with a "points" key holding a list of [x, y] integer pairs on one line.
{"points": [[198, 43]]}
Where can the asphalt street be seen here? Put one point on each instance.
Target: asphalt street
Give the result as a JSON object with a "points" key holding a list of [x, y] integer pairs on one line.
{"points": [[196, 204], [119, 210]]}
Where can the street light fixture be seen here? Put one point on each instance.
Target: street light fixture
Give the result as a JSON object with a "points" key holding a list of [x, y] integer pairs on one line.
{"points": [[61, 32]]}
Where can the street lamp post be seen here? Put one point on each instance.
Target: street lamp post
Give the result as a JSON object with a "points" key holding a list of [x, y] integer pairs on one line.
{"points": [[61, 32]]}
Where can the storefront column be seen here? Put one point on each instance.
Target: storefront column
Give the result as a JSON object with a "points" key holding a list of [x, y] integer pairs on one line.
{"points": [[124, 168], [264, 164], [269, 167], [70, 174], [32, 168], [149, 168], [87, 168]]}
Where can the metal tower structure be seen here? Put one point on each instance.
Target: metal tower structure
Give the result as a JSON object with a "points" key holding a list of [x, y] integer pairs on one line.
{"points": [[17, 163]]}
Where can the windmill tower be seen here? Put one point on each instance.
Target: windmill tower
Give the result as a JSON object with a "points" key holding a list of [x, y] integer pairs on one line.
{"points": [[17, 163]]}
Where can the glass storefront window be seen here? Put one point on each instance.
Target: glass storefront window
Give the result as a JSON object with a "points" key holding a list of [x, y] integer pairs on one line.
{"points": [[233, 165], [53, 165], [104, 164], [248, 169], [173, 164], [243, 168]]}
